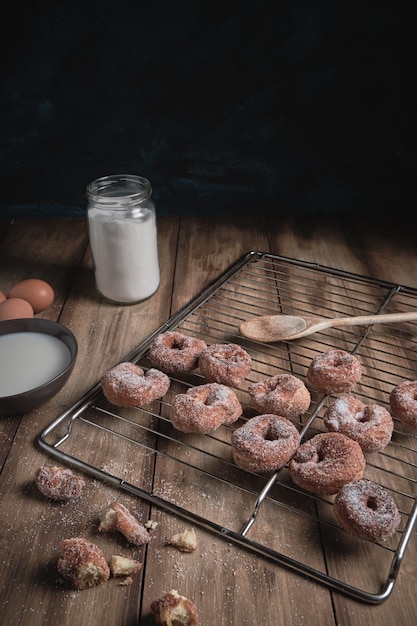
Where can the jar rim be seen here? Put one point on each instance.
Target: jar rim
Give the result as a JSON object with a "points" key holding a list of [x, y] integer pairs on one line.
{"points": [[129, 187]]}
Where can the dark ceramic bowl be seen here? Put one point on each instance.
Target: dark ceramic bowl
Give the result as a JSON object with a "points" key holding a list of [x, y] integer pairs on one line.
{"points": [[33, 398]]}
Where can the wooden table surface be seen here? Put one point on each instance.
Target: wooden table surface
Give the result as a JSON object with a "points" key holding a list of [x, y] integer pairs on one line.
{"points": [[228, 584]]}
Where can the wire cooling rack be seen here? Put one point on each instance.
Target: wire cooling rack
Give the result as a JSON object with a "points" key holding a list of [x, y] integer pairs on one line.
{"points": [[267, 515]]}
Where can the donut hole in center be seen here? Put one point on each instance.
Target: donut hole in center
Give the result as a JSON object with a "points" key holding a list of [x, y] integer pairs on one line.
{"points": [[372, 503]]}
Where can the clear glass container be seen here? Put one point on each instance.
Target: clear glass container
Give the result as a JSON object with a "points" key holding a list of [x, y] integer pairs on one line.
{"points": [[123, 237]]}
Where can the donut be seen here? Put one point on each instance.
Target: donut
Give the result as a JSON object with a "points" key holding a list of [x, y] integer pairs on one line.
{"points": [[127, 384], [82, 563], [58, 483], [204, 408], [264, 443], [173, 352], [363, 508], [403, 402], [225, 363], [173, 609], [118, 518], [283, 395], [369, 424], [335, 371], [327, 462]]}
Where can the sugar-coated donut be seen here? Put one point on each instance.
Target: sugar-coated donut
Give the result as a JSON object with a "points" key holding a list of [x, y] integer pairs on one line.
{"points": [[403, 402], [370, 425], [173, 352], [335, 371], [58, 483], [264, 443], [327, 462], [127, 384], [225, 363], [283, 394], [82, 563], [365, 509], [204, 408]]}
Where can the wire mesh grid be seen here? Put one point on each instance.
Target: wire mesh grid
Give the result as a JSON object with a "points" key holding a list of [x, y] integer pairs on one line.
{"points": [[194, 476]]}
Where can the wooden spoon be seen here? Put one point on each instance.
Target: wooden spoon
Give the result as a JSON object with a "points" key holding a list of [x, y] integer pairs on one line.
{"points": [[268, 328]]}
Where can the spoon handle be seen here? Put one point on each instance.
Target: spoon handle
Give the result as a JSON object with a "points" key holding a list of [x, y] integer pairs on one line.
{"points": [[383, 318]]}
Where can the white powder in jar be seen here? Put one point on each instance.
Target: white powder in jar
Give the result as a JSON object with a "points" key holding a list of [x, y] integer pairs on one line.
{"points": [[125, 254]]}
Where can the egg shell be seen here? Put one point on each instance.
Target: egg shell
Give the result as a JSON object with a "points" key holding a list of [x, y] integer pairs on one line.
{"points": [[2, 297], [37, 292], [15, 308]]}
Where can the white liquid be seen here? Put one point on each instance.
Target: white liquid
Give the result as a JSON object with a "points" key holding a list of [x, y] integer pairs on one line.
{"points": [[125, 255], [28, 360]]}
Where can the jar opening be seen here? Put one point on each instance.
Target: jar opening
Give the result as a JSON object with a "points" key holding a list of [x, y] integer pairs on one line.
{"points": [[126, 188]]}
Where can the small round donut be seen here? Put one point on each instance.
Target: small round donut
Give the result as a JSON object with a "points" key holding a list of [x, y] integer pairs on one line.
{"points": [[363, 508], [127, 385], [204, 408], [403, 402], [335, 371], [264, 443], [225, 363], [284, 395], [369, 424], [173, 352], [59, 484], [327, 462]]}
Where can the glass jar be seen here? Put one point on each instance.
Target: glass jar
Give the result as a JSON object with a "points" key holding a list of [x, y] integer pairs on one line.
{"points": [[123, 237]]}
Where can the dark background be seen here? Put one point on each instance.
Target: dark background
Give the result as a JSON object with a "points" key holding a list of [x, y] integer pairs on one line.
{"points": [[288, 107]]}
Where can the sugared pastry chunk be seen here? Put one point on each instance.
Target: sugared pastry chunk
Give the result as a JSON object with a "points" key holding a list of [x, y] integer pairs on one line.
{"points": [[123, 565], [58, 483], [82, 563], [117, 518], [185, 541], [172, 609]]}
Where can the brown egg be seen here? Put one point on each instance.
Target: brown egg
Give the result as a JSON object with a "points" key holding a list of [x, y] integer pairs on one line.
{"points": [[2, 297], [37, 292], [15, 308]]}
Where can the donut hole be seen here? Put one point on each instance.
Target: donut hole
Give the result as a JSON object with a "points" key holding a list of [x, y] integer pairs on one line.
{"points": [[269, 434], [372, 503]]}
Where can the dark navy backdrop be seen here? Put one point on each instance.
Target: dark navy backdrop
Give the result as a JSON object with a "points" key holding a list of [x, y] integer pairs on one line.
{"points": [[292, 106]]}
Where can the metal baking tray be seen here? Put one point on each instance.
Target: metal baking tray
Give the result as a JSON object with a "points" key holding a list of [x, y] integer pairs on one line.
{"points": [[267, 515]]}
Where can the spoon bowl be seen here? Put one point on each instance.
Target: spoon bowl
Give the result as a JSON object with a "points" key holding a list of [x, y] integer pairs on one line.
{"points": [[270, 328]]}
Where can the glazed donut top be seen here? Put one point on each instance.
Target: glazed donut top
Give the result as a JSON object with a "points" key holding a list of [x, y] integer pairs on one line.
{"points": [[283, 394], [335, 371], [403, 402], [369, 424]]}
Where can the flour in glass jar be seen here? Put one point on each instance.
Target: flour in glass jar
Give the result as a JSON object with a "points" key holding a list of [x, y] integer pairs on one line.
{"points": [[125, 255]]}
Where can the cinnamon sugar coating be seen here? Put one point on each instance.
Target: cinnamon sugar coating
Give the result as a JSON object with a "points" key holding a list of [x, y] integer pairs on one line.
{"points": [[335, 371], [117, 518], [204, 408], [284, 395], [127, 385], [264, 443], [173, 609], [403, 402], [369, 424], [326, 462], [173, 352], [58, 483], [225, 363], [82, 563], [363, 508]]}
